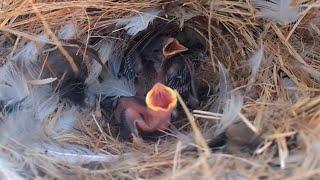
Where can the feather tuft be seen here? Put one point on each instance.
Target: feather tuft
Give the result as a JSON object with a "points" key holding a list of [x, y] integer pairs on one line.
{"points": [[7, 172], [13, 85], [68, 31], [135, 24], [280, 11], [113, 87], [230, 112], [67, 121], [105, 50], [255, 63], [30, 52], [224, 88]]}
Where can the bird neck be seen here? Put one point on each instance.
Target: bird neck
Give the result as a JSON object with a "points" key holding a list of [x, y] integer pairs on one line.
{"points": [[160, 76], [158, 119]]}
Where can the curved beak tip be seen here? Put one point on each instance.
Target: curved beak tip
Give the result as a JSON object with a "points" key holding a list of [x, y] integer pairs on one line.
{"points": [[161, 98], [172, 47]]}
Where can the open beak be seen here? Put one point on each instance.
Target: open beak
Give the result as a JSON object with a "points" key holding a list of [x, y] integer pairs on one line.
{"points": [[172, 47], [161, 98]]}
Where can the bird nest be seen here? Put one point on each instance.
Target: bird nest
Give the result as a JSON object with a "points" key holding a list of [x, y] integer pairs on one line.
{"points": [[254, 70]]}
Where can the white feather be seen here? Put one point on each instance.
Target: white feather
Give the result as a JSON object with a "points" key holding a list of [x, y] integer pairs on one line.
{"points": [[115, 61], [68, 31], [26, 137], [46, 104], [224, 87], [230, 112], [185, 139], [255, 63], [135, 24], [105, 49], [76, 154], [280, 11], [30, 52], [27, 57], [13, 85], [113, 87], [7, 172], [67, 121]]}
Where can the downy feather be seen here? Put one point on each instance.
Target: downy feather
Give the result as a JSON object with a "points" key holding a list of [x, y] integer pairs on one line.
{"points": [[115, 61], [280, 11], [113, 87], [224, 87], [68, 31], [255, 63], [7, 172], [105, 50], [25, 130], [27, 57], [230, 112], [133, 25], [30, 52], [13, 85], [67, 121], [76, 154]]}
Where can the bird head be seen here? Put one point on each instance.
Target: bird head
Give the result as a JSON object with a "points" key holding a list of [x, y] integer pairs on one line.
{"points": [[171, 47], [161, 98]]}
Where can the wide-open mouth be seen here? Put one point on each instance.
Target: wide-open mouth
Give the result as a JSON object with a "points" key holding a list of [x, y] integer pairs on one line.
{"points": [[172, 47], [161, 98]]}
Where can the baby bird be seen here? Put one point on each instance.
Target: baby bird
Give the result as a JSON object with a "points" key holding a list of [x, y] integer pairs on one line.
{"points": [[71, 85], [134, 115], [178, 73], [160, 49], [154, 54]]}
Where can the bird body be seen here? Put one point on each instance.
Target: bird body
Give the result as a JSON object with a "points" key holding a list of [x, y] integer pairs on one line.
{"points": [[160, 49], [70, 84], [134, 115], [177, 73], [132, 66]]}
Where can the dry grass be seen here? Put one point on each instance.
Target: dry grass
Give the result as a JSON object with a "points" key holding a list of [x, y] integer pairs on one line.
{"points": [[288, 120]]}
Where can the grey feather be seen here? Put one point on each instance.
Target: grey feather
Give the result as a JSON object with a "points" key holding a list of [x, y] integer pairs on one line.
{"points": [[27, 57], [135, 24], [13, 85], [68, 31], [280, 11], [113, 87], [255, 63], [230, 112], [224, 88]]}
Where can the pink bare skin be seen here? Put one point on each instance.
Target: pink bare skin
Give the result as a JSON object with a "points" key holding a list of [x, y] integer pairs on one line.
{"points": [[141, 118]]}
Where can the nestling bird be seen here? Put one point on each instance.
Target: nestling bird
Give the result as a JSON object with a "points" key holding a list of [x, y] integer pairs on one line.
{"points": [[154, 54], [160, 49], [71, 85], [134, 115], [178, 73]]}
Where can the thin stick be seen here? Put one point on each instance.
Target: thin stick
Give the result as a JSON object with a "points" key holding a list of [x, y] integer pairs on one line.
{"points": [[55, 39], [198, 136]]}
